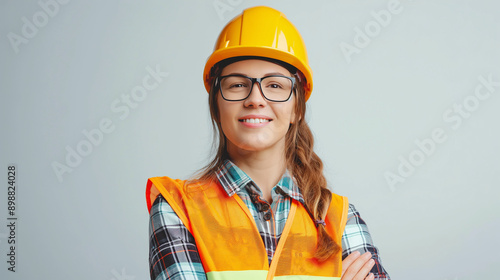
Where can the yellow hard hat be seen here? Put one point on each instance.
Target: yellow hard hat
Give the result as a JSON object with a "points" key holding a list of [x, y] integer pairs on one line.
{"points": [[265, 32]]}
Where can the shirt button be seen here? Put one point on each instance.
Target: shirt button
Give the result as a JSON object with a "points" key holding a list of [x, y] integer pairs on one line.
{"points": [[267, 216], [264, 207]]}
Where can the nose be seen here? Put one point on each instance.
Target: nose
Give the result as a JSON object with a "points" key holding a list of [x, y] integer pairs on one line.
{"points": [[256, 98]]}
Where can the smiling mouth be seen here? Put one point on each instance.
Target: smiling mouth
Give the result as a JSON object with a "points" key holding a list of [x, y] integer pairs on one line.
{"points": [[255, 120]]}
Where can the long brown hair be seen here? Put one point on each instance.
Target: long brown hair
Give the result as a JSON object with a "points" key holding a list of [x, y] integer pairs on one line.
{"points": [[301, 160]]}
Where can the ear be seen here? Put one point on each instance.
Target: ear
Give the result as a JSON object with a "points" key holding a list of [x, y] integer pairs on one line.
{"points": [[294, 118]]}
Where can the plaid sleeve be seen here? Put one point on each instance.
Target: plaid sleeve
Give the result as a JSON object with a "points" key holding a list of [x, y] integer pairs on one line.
{"points": [[356, 237], [172, 249]]}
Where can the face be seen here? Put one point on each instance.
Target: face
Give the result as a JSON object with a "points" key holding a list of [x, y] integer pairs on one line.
{"points": [[255, 124]]}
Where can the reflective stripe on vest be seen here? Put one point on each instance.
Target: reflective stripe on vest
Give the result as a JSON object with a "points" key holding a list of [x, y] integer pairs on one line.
{"points": [[229, 243], [259, 274]]}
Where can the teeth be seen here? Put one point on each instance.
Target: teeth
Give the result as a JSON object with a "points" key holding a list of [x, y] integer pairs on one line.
{"points": [[255, 120]]}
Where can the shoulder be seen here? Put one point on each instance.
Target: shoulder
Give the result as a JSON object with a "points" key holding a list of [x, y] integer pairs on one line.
{"points": [[176, 190], [168, 183], [164, 181], [337, 197], [161, 185], [339, 203]]}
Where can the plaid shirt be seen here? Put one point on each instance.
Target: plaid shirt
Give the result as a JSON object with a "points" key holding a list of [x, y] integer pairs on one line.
{"points": [[173, 253]]}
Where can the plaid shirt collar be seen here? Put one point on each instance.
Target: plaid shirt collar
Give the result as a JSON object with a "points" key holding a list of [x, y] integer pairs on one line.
{"points": [[234, 180]]}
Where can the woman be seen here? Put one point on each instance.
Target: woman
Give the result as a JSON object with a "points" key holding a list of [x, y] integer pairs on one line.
{"points": [[261, 208]]}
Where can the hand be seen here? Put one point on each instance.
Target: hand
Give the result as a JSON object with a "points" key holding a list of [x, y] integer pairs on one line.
{"points": [[356, 267]]}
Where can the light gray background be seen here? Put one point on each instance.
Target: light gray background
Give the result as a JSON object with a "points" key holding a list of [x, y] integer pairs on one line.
{"points": [[442, 222]]}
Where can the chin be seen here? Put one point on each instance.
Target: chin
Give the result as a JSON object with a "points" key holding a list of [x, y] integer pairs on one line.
{"points": [[256, 146], [252, 147]]}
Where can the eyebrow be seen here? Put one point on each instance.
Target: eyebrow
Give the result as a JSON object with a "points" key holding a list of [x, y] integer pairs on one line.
{"points": [[265, 75]]}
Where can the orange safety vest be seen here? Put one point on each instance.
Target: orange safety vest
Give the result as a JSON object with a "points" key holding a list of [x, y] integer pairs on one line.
{"points": [[229, 243]]}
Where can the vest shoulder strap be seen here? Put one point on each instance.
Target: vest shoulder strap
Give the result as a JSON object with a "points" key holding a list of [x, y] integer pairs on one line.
{"points": [[172, 190], [334, 225]]}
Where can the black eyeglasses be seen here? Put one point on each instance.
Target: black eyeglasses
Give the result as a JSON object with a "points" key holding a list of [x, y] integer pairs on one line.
{"points": [[276, 88]]}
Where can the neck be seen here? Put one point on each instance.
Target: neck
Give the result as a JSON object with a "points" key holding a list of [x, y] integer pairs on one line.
{"points": [[264, 167]]}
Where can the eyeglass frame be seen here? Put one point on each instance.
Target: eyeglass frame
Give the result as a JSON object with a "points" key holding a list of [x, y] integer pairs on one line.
{"points": [[292, 79]]}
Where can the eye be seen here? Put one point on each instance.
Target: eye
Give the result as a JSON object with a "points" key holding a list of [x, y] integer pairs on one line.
{"points": [[237, 85], [234, 83], [274, 85]]}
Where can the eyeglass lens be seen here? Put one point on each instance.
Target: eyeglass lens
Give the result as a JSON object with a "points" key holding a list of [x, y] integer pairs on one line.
{"points": [[275, 88]]}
